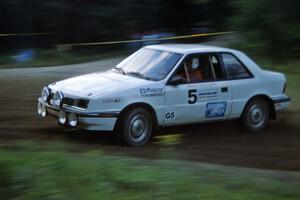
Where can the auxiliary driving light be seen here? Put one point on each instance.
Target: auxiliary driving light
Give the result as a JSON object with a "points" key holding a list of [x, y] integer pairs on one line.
{"points": [[72, 120], [43, 110], [62, 117], [39, 108]]}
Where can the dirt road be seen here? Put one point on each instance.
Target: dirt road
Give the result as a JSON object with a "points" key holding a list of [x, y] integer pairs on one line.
{"points": [[223, 143]]}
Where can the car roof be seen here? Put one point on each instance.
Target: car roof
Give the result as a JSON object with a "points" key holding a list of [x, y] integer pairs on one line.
{"points": [[188, 48], [197, 48]]}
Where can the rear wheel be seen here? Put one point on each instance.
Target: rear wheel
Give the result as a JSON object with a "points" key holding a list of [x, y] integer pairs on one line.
{"points": [[136, 127], [256, 115]]}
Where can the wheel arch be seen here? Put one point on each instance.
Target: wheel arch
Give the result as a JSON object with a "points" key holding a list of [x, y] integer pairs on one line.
{"points": [[268, 100], [146, 106]]}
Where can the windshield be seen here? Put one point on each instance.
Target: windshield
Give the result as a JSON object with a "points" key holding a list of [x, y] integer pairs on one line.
{"points": [[149, 64]]}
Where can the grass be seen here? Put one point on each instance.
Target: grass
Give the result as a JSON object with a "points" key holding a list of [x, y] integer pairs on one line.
{"points": [[33, 171]]}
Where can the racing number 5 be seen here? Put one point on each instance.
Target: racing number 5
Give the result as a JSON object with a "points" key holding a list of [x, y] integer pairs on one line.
{"points": [[192, 96]]}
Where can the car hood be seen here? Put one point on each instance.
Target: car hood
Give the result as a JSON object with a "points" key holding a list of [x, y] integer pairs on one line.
{"points": [[91, 85]]}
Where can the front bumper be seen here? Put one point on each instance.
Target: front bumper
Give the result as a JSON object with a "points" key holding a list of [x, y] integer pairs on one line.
{"points": [[281, 103], [103, 121]]}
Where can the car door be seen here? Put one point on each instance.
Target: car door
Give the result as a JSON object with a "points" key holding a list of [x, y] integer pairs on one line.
{"points": [[178, 108], [203, 94]]}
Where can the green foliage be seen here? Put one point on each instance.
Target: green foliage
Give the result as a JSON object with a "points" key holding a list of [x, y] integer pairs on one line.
{"points": [[270, 27]]}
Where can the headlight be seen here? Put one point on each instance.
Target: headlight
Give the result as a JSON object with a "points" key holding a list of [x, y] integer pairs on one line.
{"points": [[57, 98], [45, 94]]}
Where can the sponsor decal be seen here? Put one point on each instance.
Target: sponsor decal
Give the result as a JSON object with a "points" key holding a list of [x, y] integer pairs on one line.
{"points": [[109, 101], [151, 92], [207, 94], [170, 115], [215, 109], [202, 95]]}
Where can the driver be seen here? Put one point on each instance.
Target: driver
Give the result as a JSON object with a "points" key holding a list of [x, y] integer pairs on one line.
{"points": [[193, 69]]}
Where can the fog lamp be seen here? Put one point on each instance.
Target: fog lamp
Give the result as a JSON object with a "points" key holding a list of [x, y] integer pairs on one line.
{"points": [[39, 108], [43, 110], [62, 117], [72, 120]]}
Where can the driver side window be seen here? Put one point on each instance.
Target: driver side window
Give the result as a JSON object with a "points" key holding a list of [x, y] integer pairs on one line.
{"points": [[199, 68]]}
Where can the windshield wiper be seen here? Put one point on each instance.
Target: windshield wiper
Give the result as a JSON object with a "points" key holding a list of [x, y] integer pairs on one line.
{"points": [[120, 70], [138, 74]]}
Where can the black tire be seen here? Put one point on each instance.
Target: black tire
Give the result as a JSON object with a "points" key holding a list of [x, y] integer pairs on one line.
{"points": [[136, 127], [256, 115]]}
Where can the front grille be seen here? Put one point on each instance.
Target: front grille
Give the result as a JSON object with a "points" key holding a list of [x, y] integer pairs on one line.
{"points": [[69, 101], [81, 103]]}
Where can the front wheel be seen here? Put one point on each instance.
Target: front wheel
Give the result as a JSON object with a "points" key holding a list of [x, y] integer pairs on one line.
{"points": [[256, 115], [137, 127]]}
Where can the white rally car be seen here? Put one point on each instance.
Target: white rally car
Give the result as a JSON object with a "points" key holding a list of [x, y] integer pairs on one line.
{"points": [[164, 85]]}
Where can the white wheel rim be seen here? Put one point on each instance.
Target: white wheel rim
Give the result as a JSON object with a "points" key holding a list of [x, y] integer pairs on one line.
{"points": [[139, 128], [256, 116]]}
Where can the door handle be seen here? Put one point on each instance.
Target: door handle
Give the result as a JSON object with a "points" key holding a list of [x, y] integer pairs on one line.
{"points": [[224, 89]]}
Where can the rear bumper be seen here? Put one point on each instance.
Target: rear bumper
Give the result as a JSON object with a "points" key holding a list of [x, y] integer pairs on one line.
{"points": [[100, 121], [281, 103]]}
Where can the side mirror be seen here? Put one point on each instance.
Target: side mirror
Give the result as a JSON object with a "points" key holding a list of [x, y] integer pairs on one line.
{"points": [[176, 80]]}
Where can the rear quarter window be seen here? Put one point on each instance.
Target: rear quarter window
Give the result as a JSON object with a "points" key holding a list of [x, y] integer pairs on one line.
{"points": [[234, 69]]}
